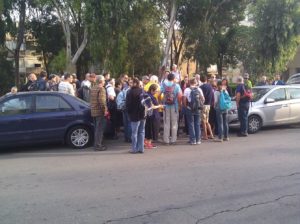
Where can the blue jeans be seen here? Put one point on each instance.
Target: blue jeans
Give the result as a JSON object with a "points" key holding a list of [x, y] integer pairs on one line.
{"points": [[138, 135], [243, 118], [99, 127], [222, 123], [127, 126], [194, 126]]}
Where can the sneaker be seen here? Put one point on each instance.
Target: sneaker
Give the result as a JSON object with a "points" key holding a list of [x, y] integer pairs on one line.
{"points": [[218, 140], [153, 146], [101, 148], [193, 143], [226, 139], [198, 143]]}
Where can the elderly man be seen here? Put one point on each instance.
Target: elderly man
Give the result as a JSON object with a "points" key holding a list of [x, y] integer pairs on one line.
{"points": [[99, 111], [176, 73]]}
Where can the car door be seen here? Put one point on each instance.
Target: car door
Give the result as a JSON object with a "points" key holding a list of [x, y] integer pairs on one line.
{"points": [[51, 118], [15, 113], [294, 103], [277, 112]]}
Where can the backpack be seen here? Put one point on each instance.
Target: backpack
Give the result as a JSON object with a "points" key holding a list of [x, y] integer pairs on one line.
{"points": [[196, 103], [146, 103], [84, 93], [121, 100], [225, 101], [248, 94], [169, 95]]}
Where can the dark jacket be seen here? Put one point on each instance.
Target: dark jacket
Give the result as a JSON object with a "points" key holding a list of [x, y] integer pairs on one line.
{"points": [[135, 109]]}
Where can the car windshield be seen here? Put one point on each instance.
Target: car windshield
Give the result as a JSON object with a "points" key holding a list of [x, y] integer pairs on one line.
{"points": [[258, 93], [295, 79]]}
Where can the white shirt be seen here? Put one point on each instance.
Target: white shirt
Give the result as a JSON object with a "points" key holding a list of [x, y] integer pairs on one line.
{"points": [[86, 83], [187, 93], [110, 91], [66, 87]]}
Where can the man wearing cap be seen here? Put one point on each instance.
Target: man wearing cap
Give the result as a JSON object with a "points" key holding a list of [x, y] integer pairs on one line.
{"points": [[247, 82], [99, 111]]}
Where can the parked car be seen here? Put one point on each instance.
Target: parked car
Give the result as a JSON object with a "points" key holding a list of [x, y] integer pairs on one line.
{"points": [[271, 105], [294, 79], [35, 117]]}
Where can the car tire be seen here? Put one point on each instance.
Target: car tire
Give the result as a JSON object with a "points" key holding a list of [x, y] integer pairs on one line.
{"points": [[79, 137], [254, 124]]}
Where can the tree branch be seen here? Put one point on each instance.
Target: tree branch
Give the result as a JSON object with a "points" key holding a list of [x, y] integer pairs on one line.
{"points": [[82, 46]]}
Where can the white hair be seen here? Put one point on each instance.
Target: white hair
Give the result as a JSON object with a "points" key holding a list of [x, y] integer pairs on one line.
{"points": [[154, 78]]}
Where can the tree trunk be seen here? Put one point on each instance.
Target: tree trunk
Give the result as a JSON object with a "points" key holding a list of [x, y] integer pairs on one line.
{"points": [[20, 39], [220, 66], [170, 33]]}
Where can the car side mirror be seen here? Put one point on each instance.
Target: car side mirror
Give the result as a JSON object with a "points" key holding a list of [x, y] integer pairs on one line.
{"points": [[269, 100]]}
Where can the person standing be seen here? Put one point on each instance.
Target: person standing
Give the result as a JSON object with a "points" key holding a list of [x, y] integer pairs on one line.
{"points": [[221, 114], [171, 99], [176, 73], [277, 80], [31, 84], [263, 81], [112, 108], [242, 103], [99, 111], [192, 100], [136, 113], [65, 86], [208, 93]]}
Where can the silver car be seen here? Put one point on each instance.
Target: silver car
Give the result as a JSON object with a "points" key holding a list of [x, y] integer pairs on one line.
{"points": [[272, 105]]}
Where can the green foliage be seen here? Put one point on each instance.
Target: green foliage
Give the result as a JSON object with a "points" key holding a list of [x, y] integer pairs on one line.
{"points": [[58, 63], [210, 28], [277, 32], [124, 35]]}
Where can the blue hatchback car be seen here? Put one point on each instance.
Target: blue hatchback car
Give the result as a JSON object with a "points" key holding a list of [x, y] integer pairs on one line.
{"points": [[35, 117]]}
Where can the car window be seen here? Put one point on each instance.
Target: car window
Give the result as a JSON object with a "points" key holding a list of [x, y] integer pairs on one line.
{"points": [[49, 103], [278, 95], [294, 93], [16, 105], [258, 93]]}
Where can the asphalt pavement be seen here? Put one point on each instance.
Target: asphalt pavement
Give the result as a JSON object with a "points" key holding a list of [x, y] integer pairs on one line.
{"points": [[246, 180]]}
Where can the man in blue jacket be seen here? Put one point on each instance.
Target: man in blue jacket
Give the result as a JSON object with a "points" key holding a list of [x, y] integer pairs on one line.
{"points": [[277, 81]]}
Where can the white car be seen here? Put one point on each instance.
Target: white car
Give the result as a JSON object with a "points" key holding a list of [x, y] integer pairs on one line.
{"points": [[271, 105]]}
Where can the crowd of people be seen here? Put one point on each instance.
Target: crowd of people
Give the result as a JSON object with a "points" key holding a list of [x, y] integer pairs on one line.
{"points": [[145, 107]]}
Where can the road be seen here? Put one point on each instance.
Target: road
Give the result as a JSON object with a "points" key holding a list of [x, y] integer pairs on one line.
{"points": [[246, 180]]}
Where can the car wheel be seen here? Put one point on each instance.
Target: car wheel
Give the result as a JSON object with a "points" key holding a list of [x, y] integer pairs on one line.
{"points": [[79, 137], [254, 124]]}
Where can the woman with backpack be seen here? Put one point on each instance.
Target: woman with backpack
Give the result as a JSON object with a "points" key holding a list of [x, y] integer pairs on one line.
{"points": [[222, 104]]}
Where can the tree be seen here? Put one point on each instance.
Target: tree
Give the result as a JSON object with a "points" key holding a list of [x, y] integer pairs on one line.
{"points": [[277, 32], [209, 26], [47, 31]]}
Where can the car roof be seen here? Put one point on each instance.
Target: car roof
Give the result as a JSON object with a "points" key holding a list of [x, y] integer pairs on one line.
{"points": [[34, 93], [276, 86]]}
